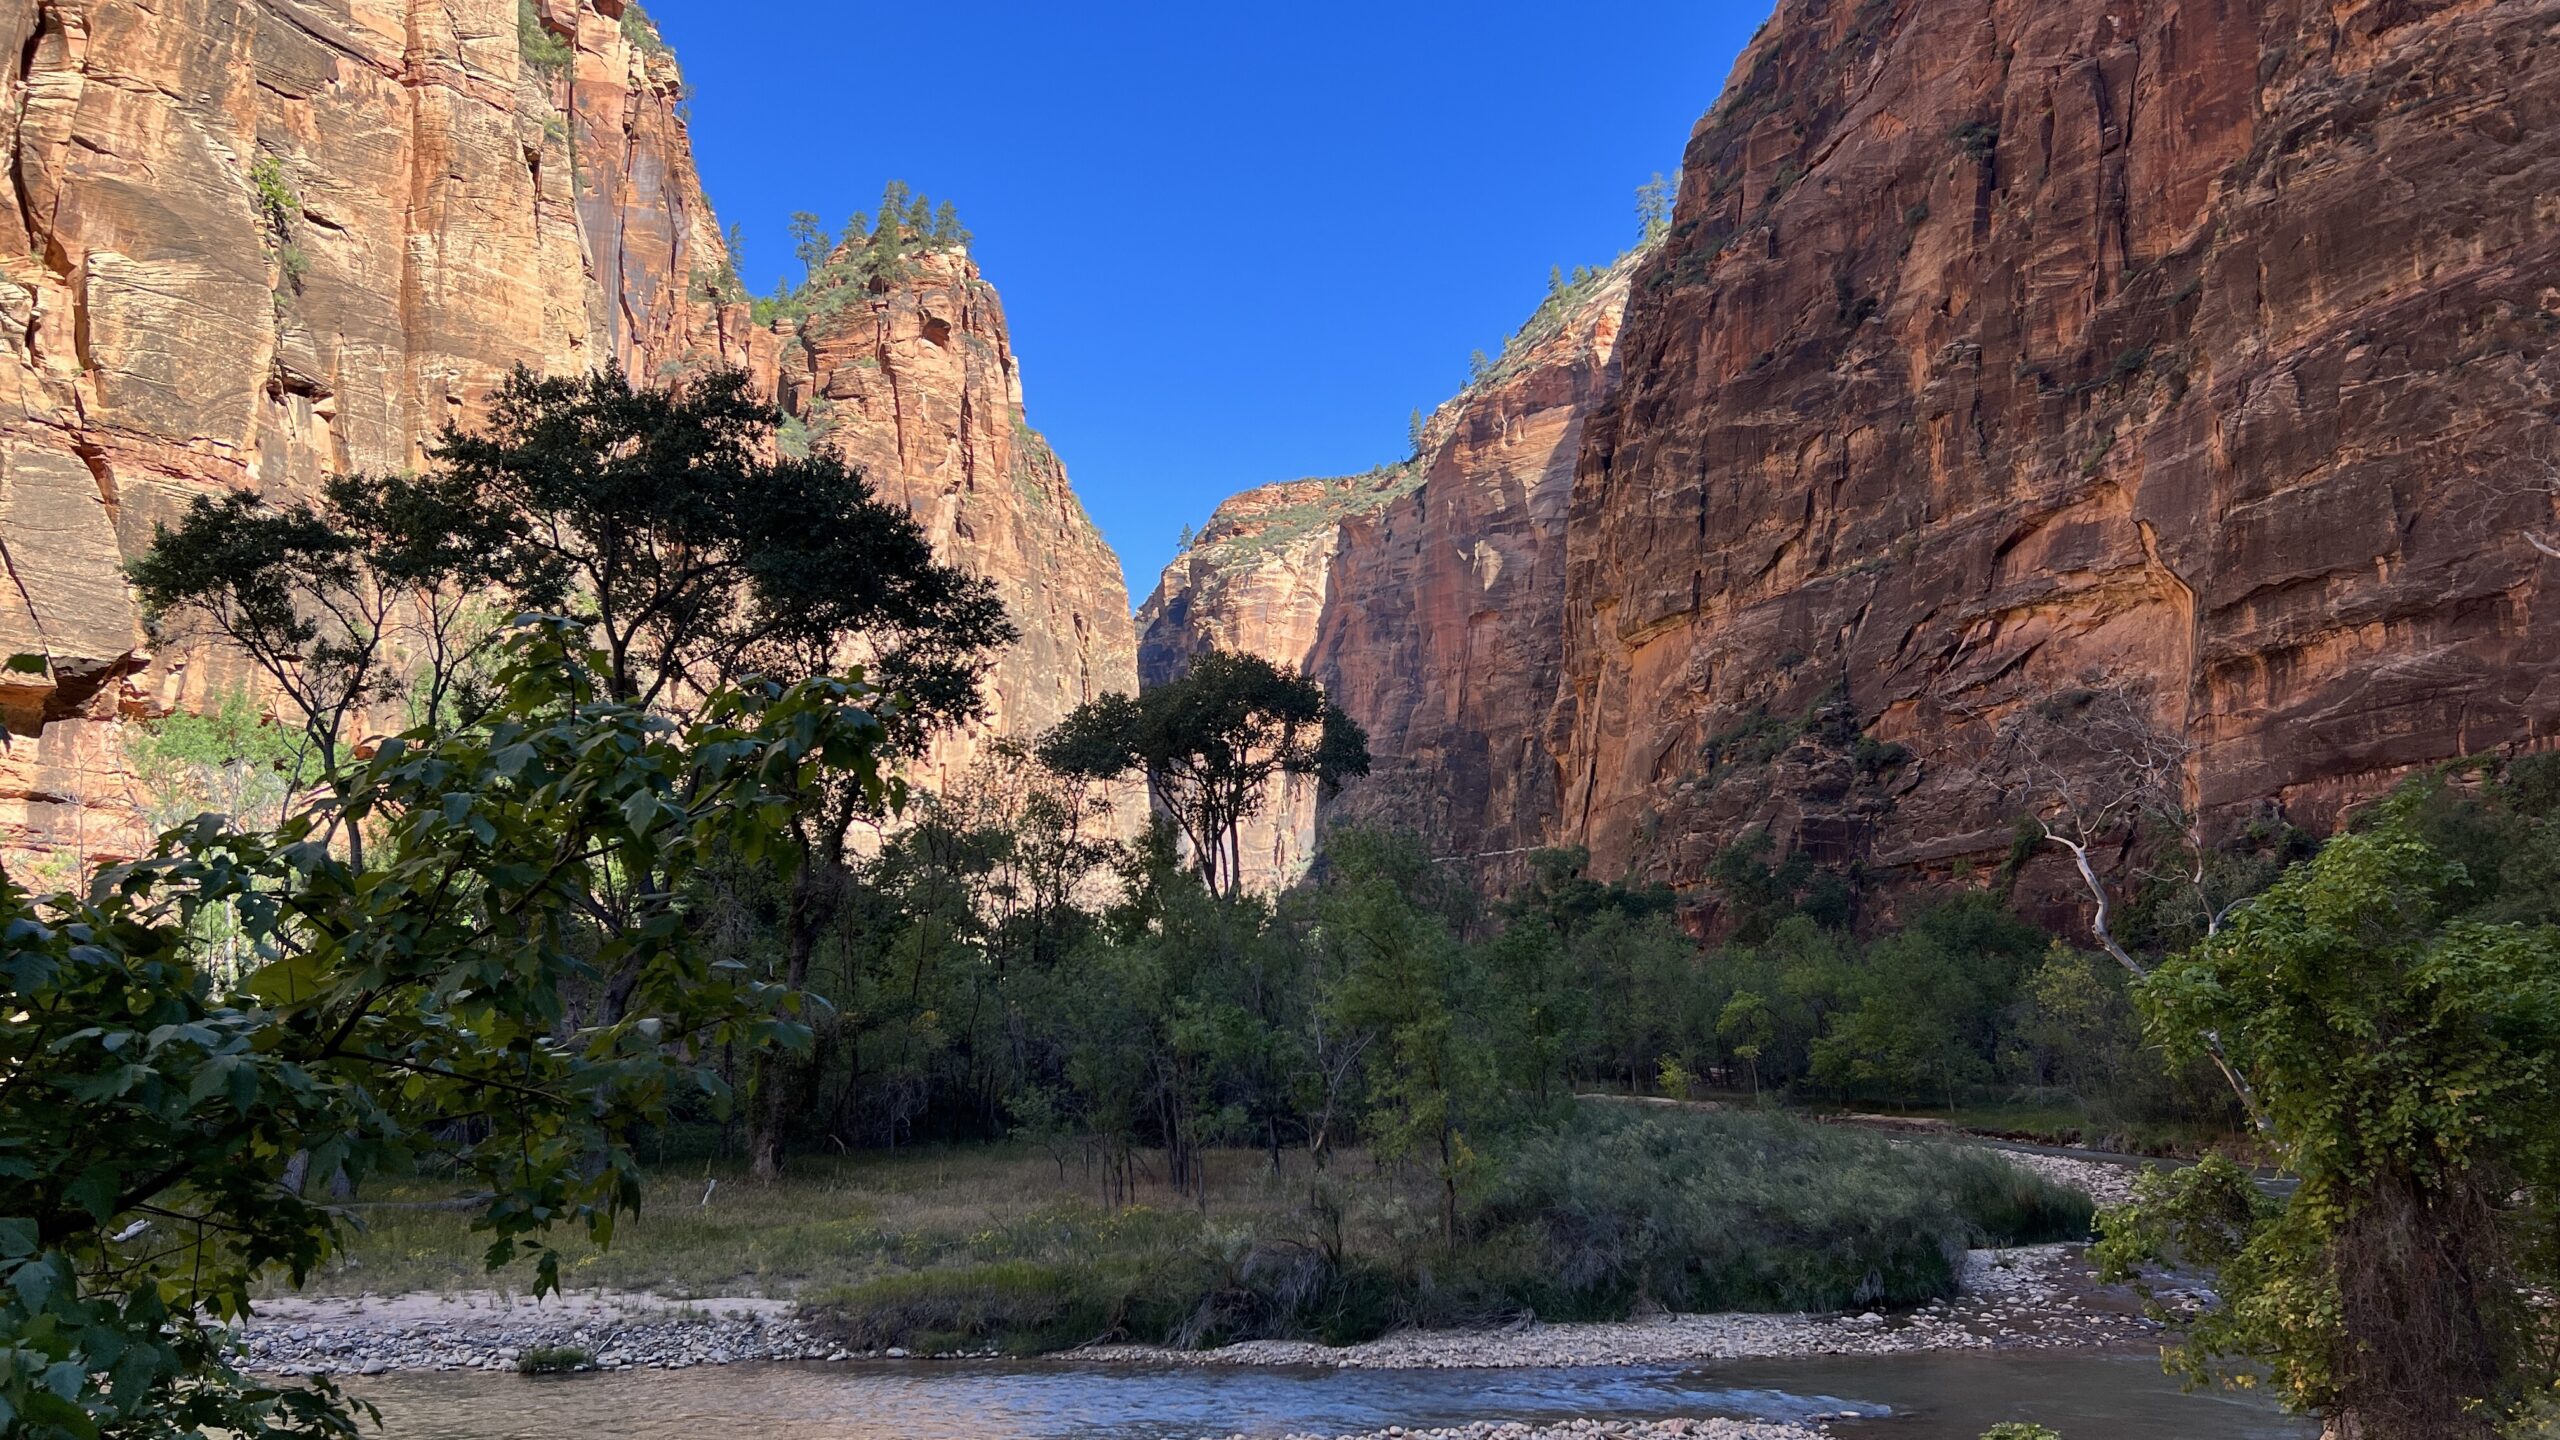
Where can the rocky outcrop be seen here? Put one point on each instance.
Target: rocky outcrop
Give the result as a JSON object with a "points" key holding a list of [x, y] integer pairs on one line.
{"points": [[2002, 359], [1426, 598], [250, 243], [1258, 578], [915, 382], [2004, 353]]}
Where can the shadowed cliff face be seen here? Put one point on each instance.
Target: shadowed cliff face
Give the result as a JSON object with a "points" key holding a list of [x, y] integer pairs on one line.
{"points": [[2001, 351], [1426, 598], [2000, 356], [249, 243]]}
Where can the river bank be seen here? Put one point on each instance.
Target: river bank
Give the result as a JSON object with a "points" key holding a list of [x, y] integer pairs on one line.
{"points": [[2037, 1297], [1578, 1430]]}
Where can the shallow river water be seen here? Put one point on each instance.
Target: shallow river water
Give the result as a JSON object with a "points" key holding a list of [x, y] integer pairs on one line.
{"points": [[2084, 1395]]}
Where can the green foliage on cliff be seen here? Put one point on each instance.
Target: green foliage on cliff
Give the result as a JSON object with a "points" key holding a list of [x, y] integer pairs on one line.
{"points": [[1653, 208], [1330, 501], [277, 204], [547, 53], [869, 256], [641, 31]]}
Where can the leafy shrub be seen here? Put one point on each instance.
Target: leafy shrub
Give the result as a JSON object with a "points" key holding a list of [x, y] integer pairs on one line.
{"points": [[552, 1360], [277, 204], [1976, 140], [1742, 1212]]}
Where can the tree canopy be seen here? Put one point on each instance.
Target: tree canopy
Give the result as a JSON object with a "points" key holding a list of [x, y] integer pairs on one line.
{"points": [[2395, 1001], [661, 519], [1211, 744]]}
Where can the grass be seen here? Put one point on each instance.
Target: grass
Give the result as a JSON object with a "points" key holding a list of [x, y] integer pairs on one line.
{"points": [[832, 1223], [1686, 1210], [552, 1360], [1000, 1246]]}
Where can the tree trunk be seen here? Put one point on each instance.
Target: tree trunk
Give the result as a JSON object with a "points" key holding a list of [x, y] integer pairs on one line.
{"points": [[779, 1074]]}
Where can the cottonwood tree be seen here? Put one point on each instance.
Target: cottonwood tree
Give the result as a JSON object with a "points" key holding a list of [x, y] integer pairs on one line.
{"points": [[327, 597], [2396, 1000], [664, 524], [1399, 977], [1212, 746], [2092, 772]]}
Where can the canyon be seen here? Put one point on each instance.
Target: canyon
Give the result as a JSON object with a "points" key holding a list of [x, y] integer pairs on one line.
{"points": [[252, 243], [1998, 366], [2005, 367], [1423, 596]]}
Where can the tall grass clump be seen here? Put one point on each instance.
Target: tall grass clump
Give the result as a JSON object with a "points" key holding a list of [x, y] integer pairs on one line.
{"points": [[1597, 1218], [1703, 1212]]}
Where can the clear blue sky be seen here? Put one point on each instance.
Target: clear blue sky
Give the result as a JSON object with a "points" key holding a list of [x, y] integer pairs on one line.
{"points": [[1237, 243]]}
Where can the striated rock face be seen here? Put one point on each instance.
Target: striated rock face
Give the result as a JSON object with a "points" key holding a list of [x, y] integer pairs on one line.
{"points": [[918, 386], [2006, 351], [1447, 642], [1259, 579], [1426, 598], [2201, 356], [253, 242]]}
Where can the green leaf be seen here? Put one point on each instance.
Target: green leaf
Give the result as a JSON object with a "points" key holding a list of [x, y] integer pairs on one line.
{"points": [[292, 980], [35, 1281]]}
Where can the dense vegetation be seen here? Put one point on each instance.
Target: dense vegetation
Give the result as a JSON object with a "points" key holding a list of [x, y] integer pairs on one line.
{"points": [[2396, 1003]]}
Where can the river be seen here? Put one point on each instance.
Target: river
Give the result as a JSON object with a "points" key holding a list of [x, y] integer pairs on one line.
{"points": [[2084, 1395]]}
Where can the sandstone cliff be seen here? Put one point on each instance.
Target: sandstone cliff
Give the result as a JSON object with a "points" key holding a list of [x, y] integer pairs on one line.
{"points": [[2000, 357], [1426, 598], [2007, 352], [252, 242], [918, 386], [1258, 578]]}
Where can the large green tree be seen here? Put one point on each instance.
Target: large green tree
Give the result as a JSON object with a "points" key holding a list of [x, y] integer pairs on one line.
{"points": [[660, 518], [1399, 978], [1212, 746], [667, 525], [2395, 1002], [159, 1122]]}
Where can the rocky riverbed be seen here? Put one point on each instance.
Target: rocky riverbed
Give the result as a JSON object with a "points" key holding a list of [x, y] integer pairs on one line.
{"points": [[494, 1332], [2040, 1297], [1583, 1430]]}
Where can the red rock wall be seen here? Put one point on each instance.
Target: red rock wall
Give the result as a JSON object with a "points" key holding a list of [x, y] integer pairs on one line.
{"points": [[1448, 634], [454, 211], [919, 387], [1426, 600], [1999, 352], [2005, 349]]}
